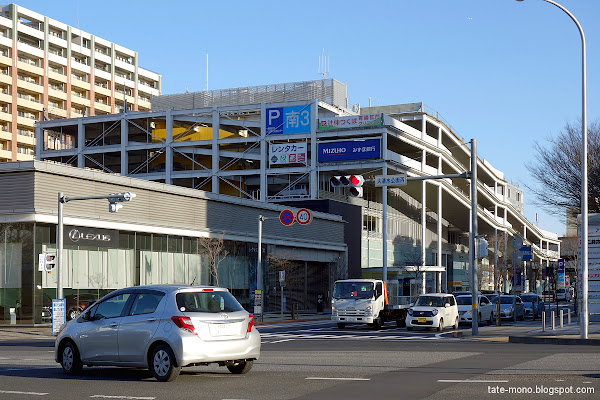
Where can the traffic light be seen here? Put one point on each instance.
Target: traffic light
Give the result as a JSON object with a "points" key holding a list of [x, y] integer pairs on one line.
{"points": [[49, 262], [353, 182]]}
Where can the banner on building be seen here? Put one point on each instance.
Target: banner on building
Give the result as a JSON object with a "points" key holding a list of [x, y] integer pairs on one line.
{"points": [[349, 150], [349, 122], [287, 153]]}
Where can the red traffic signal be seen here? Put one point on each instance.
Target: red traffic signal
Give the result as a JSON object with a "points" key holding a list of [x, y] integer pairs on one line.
{"points": [[353, 182]]}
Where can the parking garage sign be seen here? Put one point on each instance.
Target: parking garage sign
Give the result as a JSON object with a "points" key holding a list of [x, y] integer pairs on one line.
{"points": [[286, 120]]}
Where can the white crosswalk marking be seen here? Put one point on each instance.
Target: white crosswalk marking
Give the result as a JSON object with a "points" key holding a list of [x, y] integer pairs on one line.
{"points": [[313, 336]]}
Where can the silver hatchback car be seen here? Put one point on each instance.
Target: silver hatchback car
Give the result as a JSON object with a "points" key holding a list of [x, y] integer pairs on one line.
{"points": [[163, 328]]}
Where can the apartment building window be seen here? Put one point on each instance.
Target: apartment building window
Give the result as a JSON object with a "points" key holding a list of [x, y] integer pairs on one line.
{"points": [[5, 71], [518, 196], [57, 69], [79, 94], [57, 86], [5, 108], [28, 97], [146, 83], [25, 132], [56, 33], [102, 50], [24, 150], [81, 59], [30, 41], [4, 128], [101, 100], [144, 98], [56, 50], [102, 84], [29, 79], [26, 114], [4, 90], [5, 32], [122, 74], [82, 78], [124, 58], [56, 104], [35, 63], [87, 43], [32, 24]]}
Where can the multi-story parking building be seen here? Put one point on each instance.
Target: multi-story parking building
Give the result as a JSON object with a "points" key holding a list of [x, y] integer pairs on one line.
{"points": [[283, 143], [49, 70]]}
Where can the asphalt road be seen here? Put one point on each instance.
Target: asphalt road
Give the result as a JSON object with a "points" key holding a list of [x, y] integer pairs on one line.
{"points": [[315, 360]]}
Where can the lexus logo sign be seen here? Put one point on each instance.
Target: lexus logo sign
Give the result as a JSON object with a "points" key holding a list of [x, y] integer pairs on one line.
{"points": [[75, 235], [91, 237]]}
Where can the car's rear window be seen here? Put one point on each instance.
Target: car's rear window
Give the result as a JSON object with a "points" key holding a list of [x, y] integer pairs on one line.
{"points": [[210, 302]]}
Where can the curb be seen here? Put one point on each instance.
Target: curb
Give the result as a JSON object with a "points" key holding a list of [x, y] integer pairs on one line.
{"points": [[553, 340]]}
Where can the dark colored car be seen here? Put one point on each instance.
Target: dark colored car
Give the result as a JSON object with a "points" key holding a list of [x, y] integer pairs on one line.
{"points": [[76, 303]]}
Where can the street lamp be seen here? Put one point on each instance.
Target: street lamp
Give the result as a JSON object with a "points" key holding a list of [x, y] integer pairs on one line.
{"points": [[584, 181], [113, 206]]}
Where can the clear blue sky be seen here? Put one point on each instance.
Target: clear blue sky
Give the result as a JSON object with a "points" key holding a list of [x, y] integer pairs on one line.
{"points": [[504, 72]]}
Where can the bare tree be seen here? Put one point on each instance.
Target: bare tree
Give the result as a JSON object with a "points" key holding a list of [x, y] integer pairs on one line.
{"points": [[557, 169], [214, 250]]}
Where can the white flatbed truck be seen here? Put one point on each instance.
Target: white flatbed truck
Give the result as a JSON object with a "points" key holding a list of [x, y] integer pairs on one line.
{"points": [[364, 301]]}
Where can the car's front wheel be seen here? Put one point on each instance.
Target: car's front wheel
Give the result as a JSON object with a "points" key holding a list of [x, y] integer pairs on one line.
{"points": [[163, 364], [70, 361], [241, 367], [455, 326]]}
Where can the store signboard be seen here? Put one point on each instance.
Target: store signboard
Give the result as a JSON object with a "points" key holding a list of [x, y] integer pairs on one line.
{"points": [[86, 236], [287, 120], [344, 150], [353, 121], [287, 153]]}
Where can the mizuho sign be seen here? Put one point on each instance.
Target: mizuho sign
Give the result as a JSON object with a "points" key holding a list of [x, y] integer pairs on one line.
{"points": [[85, 236]]}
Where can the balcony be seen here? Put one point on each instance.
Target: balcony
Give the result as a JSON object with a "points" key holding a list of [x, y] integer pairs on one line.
{"points": [[26, 140], [57, 77], [5, 115], [79, 99], [77, 81], [29, 83], [29, 102], [102, 107], [5, 134], [57, 93], [58, 111], [5, 154]]}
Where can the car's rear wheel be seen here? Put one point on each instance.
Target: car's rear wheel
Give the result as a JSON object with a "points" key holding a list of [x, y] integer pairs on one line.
{"points": [[491, 318], [70, 361], [241, 367], [441, 325], [163, 364], [341, 325], [377, 323], [455, 326]]}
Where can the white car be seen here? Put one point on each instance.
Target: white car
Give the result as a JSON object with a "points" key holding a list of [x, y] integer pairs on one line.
{"points": [[162, 328], [434, 310], [485, 311], [563, 294]]}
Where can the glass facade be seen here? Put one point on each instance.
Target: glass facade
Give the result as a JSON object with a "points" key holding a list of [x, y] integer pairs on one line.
{"points": [[91, 271]]}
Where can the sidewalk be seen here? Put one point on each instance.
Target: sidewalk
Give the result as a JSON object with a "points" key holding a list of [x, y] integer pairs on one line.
{"points": [[531, 332]]}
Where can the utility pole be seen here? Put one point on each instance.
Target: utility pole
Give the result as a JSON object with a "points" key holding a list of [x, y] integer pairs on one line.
{"points": [[473, 250]]}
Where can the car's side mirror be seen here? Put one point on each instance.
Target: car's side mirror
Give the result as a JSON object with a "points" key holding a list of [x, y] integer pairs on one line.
{"points": [[447, 305]]}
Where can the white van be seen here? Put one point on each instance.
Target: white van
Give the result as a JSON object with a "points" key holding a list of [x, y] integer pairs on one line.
{"points": [[433, 310]]}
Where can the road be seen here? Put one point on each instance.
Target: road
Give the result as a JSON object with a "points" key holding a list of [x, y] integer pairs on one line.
{"points": [[315, 360]]}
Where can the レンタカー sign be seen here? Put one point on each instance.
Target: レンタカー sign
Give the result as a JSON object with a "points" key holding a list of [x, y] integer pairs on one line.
{"points": [[349, 150], [287, 153], [353, 121], [285, 120]]}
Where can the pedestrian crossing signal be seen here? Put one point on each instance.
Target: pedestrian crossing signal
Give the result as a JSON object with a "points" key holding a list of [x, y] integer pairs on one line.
{"points": [[49, 262]]}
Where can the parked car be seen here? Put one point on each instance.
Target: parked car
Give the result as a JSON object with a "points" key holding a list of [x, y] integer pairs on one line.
{"points": [[511, 307], [77, 302], [198, 325], [563, 294], [433, 310], [461, 293], [486, 309], [534, 304]]}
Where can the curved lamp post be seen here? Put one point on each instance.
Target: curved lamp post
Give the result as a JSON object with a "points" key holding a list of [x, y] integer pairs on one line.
{"points": [[584, 181]]}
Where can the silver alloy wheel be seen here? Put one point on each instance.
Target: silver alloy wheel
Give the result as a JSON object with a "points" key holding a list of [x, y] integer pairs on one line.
{"points": [[161, 363], [67, 358]]}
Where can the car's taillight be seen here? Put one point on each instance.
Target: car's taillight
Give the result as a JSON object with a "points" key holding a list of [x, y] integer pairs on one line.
{"points": [[250, 323], [184, 323]]}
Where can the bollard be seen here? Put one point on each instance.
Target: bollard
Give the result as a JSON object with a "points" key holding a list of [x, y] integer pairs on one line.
{"points": [[569, 318], [553, 322], [561, 317], [543, 321]]}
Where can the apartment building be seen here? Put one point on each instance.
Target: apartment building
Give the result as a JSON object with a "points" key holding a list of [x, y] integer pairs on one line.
{"points": [[50, 70], [282, 143]]}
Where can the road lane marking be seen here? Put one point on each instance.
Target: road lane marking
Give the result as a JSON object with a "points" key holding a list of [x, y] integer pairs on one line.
{"points": [[282, 340], [337, 379], [101, 396], [17, 392], [469, 381]]}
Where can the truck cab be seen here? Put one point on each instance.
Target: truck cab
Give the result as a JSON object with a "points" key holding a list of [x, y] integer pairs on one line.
{"points": [[362, 301]]}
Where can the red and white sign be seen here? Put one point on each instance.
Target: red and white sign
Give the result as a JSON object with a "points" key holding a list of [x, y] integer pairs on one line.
{"points": [[303, 216], [286, 217]]}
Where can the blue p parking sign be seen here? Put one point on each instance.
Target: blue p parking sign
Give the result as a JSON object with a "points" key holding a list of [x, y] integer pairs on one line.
{"points": [[284, 120]]}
